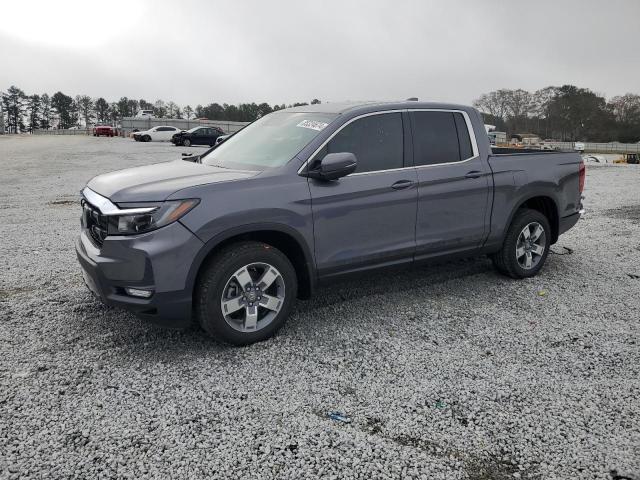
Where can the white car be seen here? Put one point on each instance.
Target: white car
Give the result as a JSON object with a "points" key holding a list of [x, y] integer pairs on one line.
{"points": [[156, 134], [144, 114]]}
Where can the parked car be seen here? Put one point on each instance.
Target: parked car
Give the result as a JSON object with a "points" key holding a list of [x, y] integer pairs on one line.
{"points": [[156, 134], [197, 136], [303, 196], [106, 130], [144, 114], [578, 147]]}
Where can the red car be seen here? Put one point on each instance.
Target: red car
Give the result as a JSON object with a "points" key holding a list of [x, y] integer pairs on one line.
{"points": [[105, 130]]}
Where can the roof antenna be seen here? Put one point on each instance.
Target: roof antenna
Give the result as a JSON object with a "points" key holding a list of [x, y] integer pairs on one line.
{"points": [[412, 99]]}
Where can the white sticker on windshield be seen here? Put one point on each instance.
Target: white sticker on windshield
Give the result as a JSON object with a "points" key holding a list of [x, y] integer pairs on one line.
{"points": [[312, 124]]}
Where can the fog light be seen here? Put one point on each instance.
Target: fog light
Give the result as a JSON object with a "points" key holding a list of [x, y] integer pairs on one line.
{"points": [[137, 292]]}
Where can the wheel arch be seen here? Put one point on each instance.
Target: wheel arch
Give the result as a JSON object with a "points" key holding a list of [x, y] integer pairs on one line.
{"points": [[544, 204], [282, 237]]}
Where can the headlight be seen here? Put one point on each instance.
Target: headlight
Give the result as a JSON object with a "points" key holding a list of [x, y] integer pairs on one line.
{"points": [[163, 213]]}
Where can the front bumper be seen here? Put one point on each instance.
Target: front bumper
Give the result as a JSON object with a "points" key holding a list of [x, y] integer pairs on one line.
{"points": [[159, 261]]}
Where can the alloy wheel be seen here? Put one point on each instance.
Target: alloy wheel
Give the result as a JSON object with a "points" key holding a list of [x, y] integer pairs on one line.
{"points": [[252, 297], [530, 245]]}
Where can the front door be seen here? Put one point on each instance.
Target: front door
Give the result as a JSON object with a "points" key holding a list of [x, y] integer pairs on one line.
{"points": [[366, 219], [454, 184]]}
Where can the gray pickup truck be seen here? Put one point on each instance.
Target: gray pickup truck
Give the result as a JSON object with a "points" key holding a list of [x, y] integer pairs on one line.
{"points": [[231, 238]]}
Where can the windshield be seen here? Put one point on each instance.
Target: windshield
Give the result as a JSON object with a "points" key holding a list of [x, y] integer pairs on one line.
{"points": [[268, 142], [191, 130]]}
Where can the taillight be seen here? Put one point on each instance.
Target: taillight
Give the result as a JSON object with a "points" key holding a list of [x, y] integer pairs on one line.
{"points": [[583, 174]]}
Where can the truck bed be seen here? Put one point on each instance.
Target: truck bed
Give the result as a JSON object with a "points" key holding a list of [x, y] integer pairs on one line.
{"points": [[534, 174]]}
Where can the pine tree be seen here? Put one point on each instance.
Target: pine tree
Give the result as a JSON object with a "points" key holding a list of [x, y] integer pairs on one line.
{"points": [[102, 110], [64, 107], [34, 106], [45, 112], [14, 104]]}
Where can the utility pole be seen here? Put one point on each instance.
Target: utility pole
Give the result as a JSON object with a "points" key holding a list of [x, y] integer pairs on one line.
{"points": [[1, 115]]}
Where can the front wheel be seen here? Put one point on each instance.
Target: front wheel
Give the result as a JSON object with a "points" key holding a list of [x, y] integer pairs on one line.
{"points": [[186, 142], [146, 138], [245, 293], [526, 245]]}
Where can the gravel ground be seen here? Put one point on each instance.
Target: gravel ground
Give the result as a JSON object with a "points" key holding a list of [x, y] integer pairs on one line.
{"points": [[443, 372]]}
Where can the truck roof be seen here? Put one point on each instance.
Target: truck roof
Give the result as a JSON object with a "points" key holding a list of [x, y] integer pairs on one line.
{"points": [[364, 107]]}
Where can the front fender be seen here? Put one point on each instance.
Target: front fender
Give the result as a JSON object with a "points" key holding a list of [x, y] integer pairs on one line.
{"points": [[251, 228]]}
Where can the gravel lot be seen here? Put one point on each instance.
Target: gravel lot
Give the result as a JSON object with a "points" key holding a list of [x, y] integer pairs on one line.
{"points": [[444, 372]]}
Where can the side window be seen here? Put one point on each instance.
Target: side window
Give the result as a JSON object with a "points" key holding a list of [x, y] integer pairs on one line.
{"points": [[464, 140], [376, 141], [435, 138]]}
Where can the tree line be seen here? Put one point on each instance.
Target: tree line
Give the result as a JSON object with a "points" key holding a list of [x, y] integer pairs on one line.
{"points": [[566, 113], [24, 112]]}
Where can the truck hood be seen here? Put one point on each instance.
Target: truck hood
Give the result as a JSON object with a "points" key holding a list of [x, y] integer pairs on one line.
{"points": [[154, 183]]}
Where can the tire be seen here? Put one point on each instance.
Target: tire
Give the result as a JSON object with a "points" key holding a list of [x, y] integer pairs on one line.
{"points": [[220, 282], [186, 142], [508, 261], [146, 138]]}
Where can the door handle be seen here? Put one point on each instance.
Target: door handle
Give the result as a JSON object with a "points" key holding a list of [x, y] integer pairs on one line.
{"points": [[402, 184], [473, 174]]}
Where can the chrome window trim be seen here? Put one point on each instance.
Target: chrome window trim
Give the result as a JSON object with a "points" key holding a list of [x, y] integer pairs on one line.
{"points": [[465, 115], [109, 209], [380, 171]]}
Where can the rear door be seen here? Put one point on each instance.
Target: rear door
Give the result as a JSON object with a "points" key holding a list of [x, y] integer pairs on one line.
{"points": [[366, 219], [171, 132], [196, 136], [215, 133], [164, 133], [453, 183], [211, 136]]}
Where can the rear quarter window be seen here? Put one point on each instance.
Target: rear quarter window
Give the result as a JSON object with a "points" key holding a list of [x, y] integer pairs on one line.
{"points": [[466, 150]]}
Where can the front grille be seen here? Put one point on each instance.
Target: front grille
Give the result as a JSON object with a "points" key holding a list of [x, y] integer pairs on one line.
{"points": [[95, 222]]}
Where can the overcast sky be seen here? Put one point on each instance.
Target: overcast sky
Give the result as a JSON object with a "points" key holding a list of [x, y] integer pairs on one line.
{"points": [[198, 52]]}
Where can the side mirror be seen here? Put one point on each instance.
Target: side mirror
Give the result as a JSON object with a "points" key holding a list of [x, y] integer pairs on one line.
{"points": [[334, 166]]}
